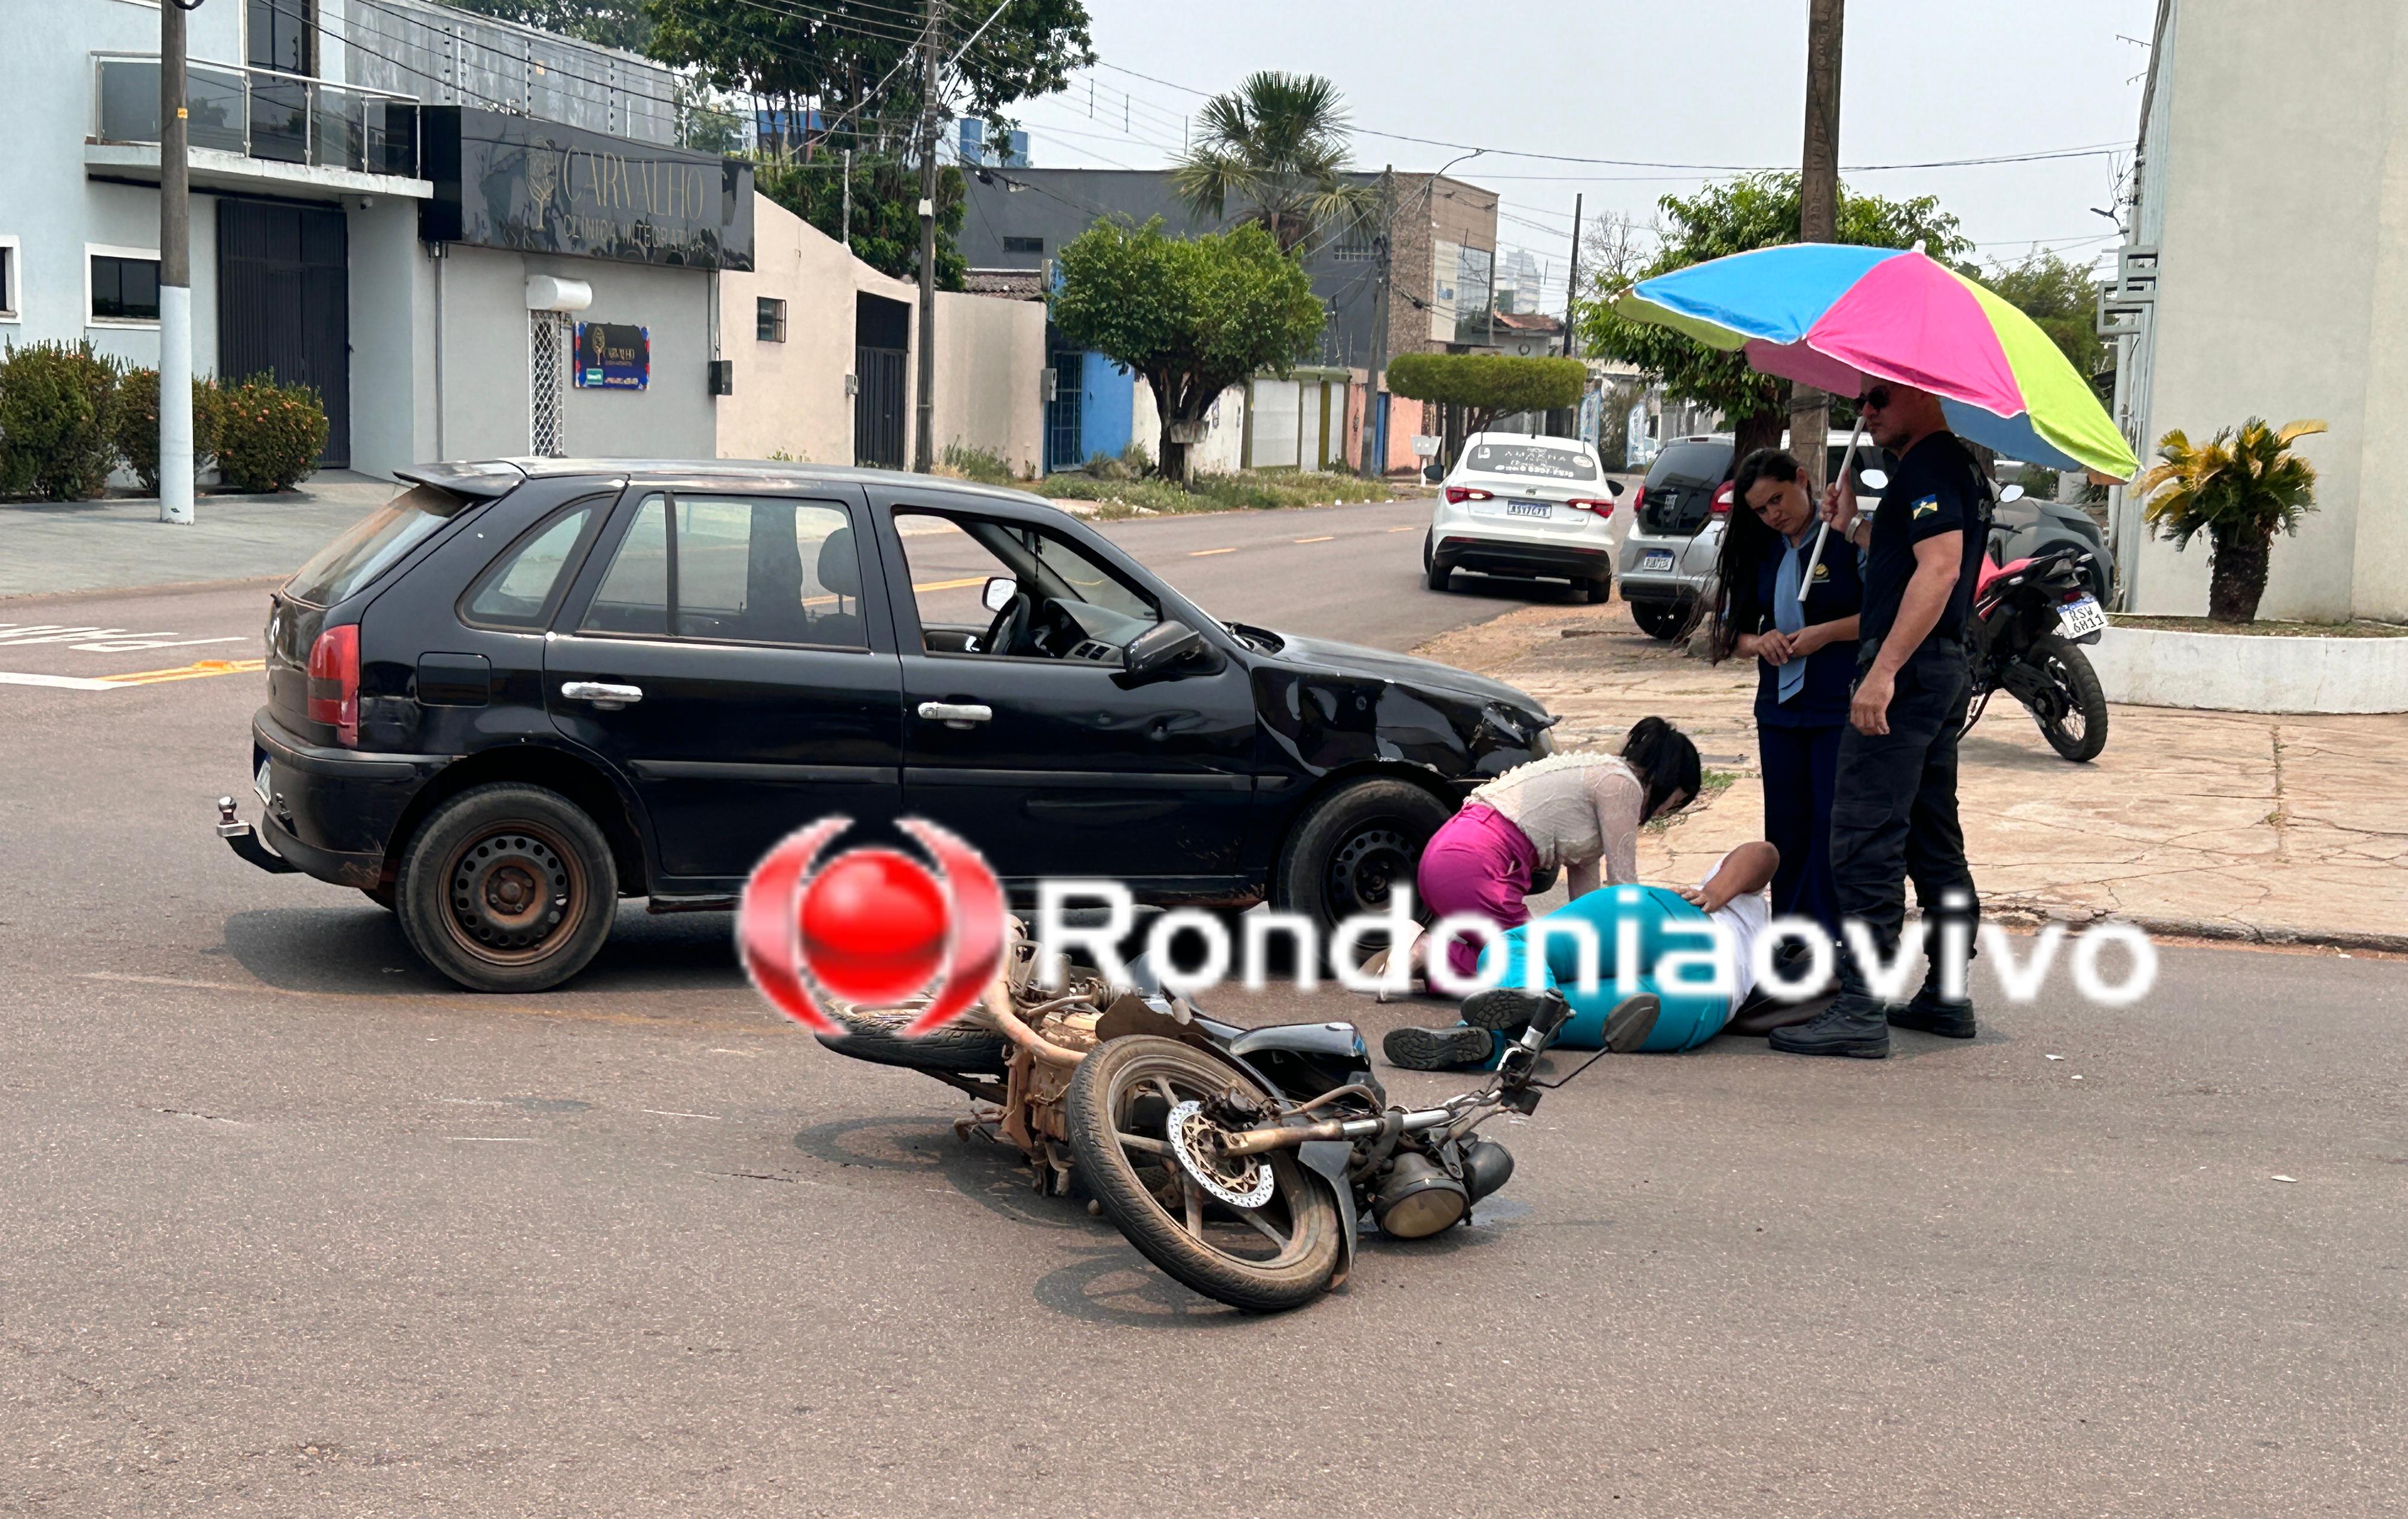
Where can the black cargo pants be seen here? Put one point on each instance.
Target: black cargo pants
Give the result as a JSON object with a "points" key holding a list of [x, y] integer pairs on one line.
{"points": [[1894, 809]]}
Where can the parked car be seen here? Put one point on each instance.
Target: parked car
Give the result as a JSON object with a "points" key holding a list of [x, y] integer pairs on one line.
{"points": [[1529, 508], [526, 690]]}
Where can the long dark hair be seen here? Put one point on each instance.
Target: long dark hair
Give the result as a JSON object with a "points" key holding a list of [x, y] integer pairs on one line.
{"points": [[1664, 761], [1748, 543]]}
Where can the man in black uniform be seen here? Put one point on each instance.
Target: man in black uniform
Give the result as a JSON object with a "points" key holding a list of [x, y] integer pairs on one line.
{"points": [[1894, 806]]}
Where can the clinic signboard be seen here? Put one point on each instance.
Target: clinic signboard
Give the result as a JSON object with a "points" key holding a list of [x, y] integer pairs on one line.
{"points": [[613, 358], [542, 187]]}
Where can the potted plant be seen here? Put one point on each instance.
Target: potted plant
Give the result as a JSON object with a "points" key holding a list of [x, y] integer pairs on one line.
{"points": [[2238, 488]]}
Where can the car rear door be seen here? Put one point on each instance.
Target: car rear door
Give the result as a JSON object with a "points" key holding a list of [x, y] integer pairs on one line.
{"points": [[727, 649], [1057, 766]]}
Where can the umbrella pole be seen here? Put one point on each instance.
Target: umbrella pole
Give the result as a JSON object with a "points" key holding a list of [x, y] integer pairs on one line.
{"points": [[1823, 535]]}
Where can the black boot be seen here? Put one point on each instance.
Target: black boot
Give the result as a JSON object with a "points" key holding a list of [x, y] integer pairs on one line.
{"points": [[1851, 1025], [1931, 1014], [1458, 1047]]}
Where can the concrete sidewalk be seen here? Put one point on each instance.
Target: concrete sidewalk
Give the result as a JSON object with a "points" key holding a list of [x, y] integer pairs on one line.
{"points": [[49, 547], [2221, 824]]}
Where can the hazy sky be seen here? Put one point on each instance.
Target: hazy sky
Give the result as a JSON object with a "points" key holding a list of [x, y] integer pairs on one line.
{"points": [[1701, 82]]}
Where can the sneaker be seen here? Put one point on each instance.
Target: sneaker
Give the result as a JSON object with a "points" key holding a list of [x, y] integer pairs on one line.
{"points": [[1458, 1047], [1505, 1011], [1929, 1013], [1851, 1025]]}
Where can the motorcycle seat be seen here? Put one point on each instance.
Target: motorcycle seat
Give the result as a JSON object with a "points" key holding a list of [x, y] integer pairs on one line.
{"points": [[1991, 572]]}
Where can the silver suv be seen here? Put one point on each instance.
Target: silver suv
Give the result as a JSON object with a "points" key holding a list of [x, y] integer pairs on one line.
{"points": [[1675, 535]]}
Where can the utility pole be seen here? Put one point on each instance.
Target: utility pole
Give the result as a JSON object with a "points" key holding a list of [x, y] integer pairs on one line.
{"points": [[846, 225], [175, 275], [1818, 211], [1375, 419], [923, 452], [1572, 276]]}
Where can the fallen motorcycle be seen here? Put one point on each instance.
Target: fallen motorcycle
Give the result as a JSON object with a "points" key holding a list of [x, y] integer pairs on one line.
{"points": [[1240, 1161], [2029, 617]]}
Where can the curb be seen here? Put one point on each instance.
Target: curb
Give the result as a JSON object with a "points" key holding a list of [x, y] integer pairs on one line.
{"points": [[2216, 929], [19, 597]]}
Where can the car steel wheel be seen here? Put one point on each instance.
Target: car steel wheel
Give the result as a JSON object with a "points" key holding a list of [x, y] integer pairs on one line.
{"points": [[1367, 866], [513, 891]]}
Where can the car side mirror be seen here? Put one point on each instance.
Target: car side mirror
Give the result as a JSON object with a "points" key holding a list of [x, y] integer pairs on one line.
{"points": [[1873, 479], [2012, 492], [1157, 649], [998, 591]]}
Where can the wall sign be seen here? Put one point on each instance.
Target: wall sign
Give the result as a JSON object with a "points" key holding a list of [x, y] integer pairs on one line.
{"points": [[542, 187], [610, 357]]}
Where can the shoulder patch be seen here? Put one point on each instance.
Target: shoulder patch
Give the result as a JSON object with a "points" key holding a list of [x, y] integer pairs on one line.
{"points": [[1927, 506]]}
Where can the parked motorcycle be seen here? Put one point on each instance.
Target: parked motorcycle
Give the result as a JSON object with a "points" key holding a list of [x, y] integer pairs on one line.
{"points": [[2030, 617], [1240, 1161]]}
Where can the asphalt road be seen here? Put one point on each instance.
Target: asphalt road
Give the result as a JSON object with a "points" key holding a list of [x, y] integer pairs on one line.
{"points": [[292, 1228]]}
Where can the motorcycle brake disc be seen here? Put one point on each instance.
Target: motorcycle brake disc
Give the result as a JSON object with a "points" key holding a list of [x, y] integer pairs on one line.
{"points": [[1249, 1186]]}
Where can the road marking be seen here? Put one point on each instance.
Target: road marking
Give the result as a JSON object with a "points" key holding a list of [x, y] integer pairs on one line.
{"points": [[194, 671], [1203, 553], [486, 1138], [951, 585], [1323, 538], [1409, 527], [95, 639], [667, 1112]]}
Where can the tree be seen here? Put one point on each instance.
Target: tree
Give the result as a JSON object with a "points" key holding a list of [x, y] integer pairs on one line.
{"points": [[1756, 210], [885, 224], [2061, 297], [1192, 315], [2238, 489], [1278, 146], [1487, 385]]}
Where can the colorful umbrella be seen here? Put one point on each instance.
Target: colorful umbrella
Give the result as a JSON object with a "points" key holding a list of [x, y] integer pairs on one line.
{"points": [[1837, 317]]}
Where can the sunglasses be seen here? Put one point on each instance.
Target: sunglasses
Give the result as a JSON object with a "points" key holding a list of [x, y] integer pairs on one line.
{"points": [[1875, 399]]}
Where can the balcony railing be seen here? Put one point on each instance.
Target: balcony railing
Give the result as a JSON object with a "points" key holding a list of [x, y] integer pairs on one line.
{"points": [[261, 113]]}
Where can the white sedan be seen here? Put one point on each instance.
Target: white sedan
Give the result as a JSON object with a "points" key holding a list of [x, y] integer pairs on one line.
{"points": [[1530, 508]]}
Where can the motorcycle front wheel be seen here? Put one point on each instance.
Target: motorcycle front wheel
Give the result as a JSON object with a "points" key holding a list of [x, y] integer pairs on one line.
{"points": [[2079, 730], [1121, 1107]]}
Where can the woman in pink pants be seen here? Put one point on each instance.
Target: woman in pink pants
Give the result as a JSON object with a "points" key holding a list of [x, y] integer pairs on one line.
{"points": [[1579, 812]]}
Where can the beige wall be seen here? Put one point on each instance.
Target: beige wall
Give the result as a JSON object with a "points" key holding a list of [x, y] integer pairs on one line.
{"points": [[990, 378], [2282, 288], [789, 396]]}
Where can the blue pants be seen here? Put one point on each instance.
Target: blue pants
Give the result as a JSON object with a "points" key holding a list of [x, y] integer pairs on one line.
{"points": [[1800, 768], [1664, 923]]}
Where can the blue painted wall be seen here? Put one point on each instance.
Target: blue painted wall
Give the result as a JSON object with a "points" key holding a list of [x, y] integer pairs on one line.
{"points": [[1106, 406]]}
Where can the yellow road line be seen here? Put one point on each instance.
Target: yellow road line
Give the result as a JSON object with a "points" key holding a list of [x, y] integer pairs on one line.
{"points": [[194, 671], [1409, 527], [1202, 553], [952, 585], [1323, 538]]}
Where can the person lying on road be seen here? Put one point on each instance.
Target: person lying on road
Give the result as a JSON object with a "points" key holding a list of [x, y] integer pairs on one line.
{"points": [[1684, 1015]]}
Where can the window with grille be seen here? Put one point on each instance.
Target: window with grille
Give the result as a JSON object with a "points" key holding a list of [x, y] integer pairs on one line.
{"points": [[547, 361], [770, 320]]}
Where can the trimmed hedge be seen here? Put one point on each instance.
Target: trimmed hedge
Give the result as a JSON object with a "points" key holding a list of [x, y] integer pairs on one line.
{"points": [[138, 425], [58, 420], [270, 436]]}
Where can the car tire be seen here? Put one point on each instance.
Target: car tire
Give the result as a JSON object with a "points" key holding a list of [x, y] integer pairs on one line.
{"points": [[1354, 847], [508, 887], [1660, 620], [1439, 578], [1600, 591]]}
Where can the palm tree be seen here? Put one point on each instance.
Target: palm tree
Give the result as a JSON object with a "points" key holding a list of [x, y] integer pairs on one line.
{"points": [[2238, 489], [1278, 146]]}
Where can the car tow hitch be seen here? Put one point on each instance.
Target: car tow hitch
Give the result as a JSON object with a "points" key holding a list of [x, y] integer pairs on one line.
{"points": [[245, 840]]}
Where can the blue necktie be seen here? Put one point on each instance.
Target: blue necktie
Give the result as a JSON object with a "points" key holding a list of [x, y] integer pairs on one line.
{"points": [[1789, 616]]}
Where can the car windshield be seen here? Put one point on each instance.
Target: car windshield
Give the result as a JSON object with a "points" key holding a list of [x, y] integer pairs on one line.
{"points": [[1689, 462], [372, 545], [1538, 460]]}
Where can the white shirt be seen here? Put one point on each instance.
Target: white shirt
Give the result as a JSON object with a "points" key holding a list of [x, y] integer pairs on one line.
{"points": [[1743, 920]]}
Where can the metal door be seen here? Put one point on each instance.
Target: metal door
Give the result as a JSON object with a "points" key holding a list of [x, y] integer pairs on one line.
{"points": [[1063, 412], [284, 307], [878, 409]]}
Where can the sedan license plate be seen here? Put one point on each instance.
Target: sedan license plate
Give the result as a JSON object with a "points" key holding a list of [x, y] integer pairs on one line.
{"points": [[2081, 616], [1529, 508], [1656, 559], [259, 783]]}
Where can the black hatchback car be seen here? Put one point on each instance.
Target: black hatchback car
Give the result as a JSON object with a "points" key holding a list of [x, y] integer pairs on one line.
{"points": [[525, 690]]}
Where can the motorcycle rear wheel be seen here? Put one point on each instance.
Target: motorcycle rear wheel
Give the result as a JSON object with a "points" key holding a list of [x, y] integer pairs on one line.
{"points": [[1280, 1256], [2080, 732]]}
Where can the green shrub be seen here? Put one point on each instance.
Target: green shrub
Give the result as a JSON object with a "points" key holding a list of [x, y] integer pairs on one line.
{"points": [[58, 420], [1118, 499], [985, 466], [270, 436], [138, 425]]}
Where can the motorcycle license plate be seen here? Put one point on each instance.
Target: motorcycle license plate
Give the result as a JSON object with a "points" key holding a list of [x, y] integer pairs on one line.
{"points": [[1656, 559], [2081, 616], [1529, 508]]}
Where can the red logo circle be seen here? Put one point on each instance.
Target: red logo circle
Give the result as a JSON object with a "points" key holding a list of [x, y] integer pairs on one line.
{"points": [[875, 926]]}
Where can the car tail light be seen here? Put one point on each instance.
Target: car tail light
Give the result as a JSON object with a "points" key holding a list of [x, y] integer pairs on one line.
{"points": [[1458, 495], [1722, 503], [1603, 508], [1638, 499], [334, 683]]}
